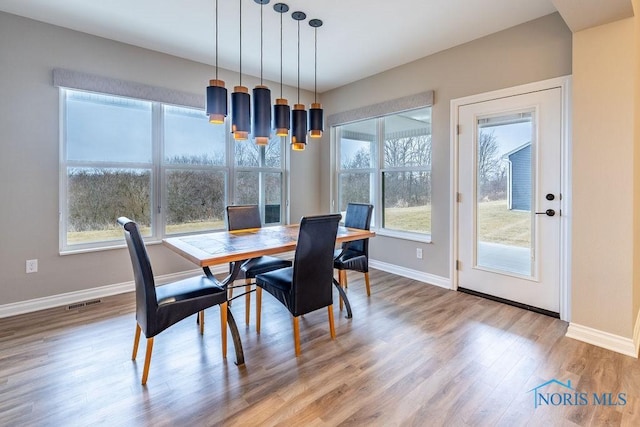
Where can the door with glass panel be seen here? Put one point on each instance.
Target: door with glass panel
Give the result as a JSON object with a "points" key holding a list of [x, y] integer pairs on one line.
{"points": [[509, 198]]}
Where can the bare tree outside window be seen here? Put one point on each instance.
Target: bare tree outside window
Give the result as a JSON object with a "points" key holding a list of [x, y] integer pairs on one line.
{"points": [[402, 183]]}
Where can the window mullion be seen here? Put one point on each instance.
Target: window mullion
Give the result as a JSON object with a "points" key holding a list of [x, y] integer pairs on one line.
{"points": [[230, 194], [158, 180], [380, 157]]}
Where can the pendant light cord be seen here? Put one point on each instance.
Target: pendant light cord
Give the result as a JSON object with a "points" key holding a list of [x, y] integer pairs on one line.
{"points": [[240, 42], [315, 70], [281, 13], [298, 62], [261, 41], [216, 39]]}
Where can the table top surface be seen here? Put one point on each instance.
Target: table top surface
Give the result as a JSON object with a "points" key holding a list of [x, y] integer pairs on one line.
{"points": [[225, 246]]}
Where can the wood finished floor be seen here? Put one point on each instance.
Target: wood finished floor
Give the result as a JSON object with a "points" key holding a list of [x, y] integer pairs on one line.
{"points": [[413, 354]]}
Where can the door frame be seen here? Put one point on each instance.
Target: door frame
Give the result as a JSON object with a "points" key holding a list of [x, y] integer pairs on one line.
{"points": [[564, 83]]}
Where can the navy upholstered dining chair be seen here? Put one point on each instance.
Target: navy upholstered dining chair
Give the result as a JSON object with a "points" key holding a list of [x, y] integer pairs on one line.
{"points": [[354, 255], [307, 285], [242, 217], [157, 308]]}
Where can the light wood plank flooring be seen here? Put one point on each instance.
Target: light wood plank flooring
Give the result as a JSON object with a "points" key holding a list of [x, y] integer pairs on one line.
{"points": [[413, 354]]}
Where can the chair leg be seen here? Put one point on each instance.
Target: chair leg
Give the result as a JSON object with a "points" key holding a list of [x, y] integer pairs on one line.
{"points": [[223, 328], [342, 279], [136, 340], [258, 307], [201, 321], [147, 360], [346, 283], [296, 335], [366, 282], [230, 288], [332, 327], [247, 300]]}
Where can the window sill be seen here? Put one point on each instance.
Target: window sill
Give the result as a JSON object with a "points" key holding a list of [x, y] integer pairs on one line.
{"points": [[122, 245], [422, 238]]}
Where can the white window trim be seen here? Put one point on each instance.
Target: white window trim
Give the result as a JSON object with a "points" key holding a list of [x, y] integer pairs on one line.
{"points": [[412, 102], [73, 80]]}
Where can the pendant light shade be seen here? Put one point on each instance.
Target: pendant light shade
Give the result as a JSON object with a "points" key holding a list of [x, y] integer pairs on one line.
{"points": [[281, 109], [299, 132], [240, 113], [240, 102], [282, 117], [261, 114], [316, 119], [261, 98], [216, 103], [216, 100], [299, 114]]}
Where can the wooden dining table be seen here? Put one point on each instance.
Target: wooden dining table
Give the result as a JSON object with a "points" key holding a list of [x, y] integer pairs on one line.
{"points": [[222, 247]]}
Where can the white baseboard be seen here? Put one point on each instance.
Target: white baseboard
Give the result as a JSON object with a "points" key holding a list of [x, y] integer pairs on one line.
{"points": [[61, 300], [420, 276], [636, 334], [626, 346]]}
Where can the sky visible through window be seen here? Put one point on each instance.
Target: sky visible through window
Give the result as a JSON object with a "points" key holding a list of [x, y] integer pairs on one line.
{"points": [[116, 129]]}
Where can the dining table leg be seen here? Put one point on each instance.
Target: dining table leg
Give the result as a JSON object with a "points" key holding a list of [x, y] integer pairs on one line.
{"points": [[235, 335], [343, 294]]}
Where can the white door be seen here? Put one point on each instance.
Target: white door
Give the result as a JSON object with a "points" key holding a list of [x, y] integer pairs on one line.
{"points": [[509, 198]]}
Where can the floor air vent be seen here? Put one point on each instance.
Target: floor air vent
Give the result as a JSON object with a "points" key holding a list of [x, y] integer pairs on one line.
{"points": [[83, 304]]}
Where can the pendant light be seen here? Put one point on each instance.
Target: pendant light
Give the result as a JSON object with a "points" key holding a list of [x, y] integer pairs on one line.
{"points": [[316, 124], [216, 102], [281, 109], [299, 114], [240, 102], [261, 98]]}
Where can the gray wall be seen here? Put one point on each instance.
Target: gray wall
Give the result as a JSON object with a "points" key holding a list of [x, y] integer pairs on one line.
{"points": [[29, 50], [537, 50]]}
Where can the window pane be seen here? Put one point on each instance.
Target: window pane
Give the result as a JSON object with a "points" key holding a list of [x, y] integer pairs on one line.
{"points": [[273, 197], [97, 197], [407, 139], [195, 200], [505, 192], [407, 201], [354, 188], [189, 138], [247, 188], [247, 154], [273, 153], [357, 144], [107, 128]]}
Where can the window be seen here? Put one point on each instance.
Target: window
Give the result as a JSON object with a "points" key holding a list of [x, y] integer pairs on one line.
{"points": [[386, 161], [162, 165], [195, 170], [258, 178]]}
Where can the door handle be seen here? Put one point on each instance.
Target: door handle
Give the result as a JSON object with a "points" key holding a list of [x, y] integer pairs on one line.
{"points": [[548, 212]]}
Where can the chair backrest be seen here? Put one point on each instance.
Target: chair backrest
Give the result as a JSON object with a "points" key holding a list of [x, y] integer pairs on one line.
{"points": [[146, 301], [358, 216], [243, 216], [313, 263]]}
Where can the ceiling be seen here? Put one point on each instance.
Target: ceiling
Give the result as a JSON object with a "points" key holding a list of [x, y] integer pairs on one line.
{"points": [[359, 38]]}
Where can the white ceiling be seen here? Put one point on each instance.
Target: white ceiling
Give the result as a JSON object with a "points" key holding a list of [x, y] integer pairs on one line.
{"points": [[359, 38]]}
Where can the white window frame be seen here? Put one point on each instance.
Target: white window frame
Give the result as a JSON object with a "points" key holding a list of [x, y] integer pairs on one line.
{"points": [[377, 112], [74, 81]]}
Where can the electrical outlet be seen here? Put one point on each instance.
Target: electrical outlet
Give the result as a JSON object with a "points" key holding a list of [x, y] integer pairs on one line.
{"points": [[419, 253], [32, 266]]}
